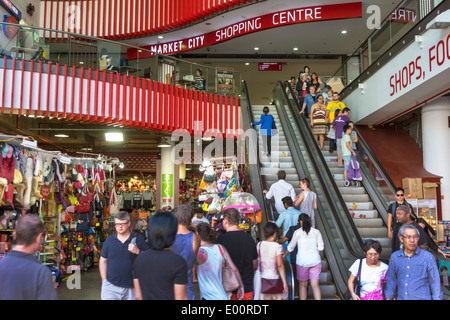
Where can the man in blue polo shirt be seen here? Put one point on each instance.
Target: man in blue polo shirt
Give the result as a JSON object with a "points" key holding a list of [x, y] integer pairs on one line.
{"points": [[116, 261], [22, 276]]}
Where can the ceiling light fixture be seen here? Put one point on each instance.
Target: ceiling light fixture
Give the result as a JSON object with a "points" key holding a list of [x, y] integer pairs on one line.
{"points": [[206, 138], [344, 31], [61, 135], [114, 136], [160, 37], [256, 48], [163, 143], [295, 49], [247, 63]]}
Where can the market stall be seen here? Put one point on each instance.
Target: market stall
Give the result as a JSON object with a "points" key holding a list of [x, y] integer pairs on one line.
{"points": [[220, 189]]}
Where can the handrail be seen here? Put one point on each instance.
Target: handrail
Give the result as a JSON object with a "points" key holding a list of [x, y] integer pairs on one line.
{"points": [[255, 169], [332, 250], [389, 53], [71, 37], [334, 188]]}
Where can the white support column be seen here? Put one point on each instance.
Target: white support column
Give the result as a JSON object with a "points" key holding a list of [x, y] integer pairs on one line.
{"points": [[436, 145], [167, 179]]}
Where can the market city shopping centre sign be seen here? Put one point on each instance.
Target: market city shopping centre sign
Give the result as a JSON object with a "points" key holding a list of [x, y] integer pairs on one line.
{"points": [[268, 21]]}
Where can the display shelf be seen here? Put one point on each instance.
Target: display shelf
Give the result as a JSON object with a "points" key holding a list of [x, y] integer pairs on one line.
{"points": [[426, 209]]}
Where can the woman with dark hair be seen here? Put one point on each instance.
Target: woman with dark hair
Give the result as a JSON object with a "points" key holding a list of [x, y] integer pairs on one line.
{"points": [[187, 242], [309, 242], [373, 273], [270, 263], [210, 260], [159, 273], [265, 131], [307, 200]]}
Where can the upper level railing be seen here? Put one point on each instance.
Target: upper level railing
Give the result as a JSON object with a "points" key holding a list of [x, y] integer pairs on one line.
{"points": [[119, 19], [386, 41], [29, 43]]}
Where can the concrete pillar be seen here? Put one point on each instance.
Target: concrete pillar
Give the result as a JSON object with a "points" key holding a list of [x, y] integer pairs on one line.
{"points": [[436, 145]]}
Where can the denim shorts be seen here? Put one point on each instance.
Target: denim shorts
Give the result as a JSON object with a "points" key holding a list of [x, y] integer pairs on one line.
{"points": [[347, 160]]}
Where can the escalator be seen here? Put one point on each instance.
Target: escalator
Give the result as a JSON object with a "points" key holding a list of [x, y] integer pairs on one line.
{"points": [[369, 203], [342, 242]]}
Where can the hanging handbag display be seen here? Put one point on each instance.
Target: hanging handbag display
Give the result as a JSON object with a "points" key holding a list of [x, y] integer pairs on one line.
{"points": [[113, 205], [210, 175], [229, 278], [269, 286]]}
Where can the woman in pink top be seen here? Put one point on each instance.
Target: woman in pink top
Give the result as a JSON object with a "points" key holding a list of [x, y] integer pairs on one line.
{"points": [[270, 263]]}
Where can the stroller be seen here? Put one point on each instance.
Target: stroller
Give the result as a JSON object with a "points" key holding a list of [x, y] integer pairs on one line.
{"points": [[354, 177]]}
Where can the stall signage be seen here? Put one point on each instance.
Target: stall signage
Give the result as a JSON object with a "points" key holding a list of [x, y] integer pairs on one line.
{"points": [[167, 201], [268, 21], [270, 66], [11, 8]]}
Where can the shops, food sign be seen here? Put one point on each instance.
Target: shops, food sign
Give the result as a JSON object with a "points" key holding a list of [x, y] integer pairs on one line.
{"points": [[268, 21], [12, 9]]}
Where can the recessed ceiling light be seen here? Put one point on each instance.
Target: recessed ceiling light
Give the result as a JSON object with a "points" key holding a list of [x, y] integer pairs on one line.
{"points": [[295, 49], [114, 136], [61, 135], [256, 48], [247, 63], [344, 31], [160, 37]]}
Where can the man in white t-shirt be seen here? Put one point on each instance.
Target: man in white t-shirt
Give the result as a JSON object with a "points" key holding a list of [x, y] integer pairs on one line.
{"points": [[279, 190]]}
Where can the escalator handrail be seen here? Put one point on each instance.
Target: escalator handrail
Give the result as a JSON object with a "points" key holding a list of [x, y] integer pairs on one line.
{"points": [[297, 118], [335, 261], [247, 125]]}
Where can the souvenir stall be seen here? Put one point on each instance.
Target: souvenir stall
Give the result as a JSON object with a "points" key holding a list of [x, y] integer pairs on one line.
{"points": [[69, 193], [220, 189]]}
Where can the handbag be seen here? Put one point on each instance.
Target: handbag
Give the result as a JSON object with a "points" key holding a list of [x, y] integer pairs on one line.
{"points": [[229, 278], [331, 134], [210, 175], [269, 286], [113, 206], [357, 288]]}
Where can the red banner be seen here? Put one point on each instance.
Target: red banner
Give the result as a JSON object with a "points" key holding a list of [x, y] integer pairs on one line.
{"points": [[268, 21]]}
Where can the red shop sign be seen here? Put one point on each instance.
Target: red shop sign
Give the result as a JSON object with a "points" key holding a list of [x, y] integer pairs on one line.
{"points": [[270, 66], [268, 21]]}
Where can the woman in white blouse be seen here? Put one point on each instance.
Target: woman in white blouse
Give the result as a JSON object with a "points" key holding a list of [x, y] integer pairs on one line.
{"points": [[309, 263]]}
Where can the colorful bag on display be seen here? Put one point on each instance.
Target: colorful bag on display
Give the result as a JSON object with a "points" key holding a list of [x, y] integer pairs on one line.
{"points": [[210, 175], [113, 206]]}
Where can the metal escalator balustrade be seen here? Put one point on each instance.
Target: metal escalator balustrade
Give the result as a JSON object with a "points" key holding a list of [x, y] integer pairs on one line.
{"points": [[342, 243], [259, 182], [369, 203]]}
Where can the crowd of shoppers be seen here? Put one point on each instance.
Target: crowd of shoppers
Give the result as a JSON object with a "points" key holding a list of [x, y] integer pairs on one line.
{"points": [[179, 245]]}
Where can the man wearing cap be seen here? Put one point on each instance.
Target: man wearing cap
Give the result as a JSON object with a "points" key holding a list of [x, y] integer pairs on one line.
{"points": [[403, 214]]}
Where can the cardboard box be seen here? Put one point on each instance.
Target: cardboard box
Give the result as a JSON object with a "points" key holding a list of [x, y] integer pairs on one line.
{"points": [[429, 190], [103, 65], [413, 186]]}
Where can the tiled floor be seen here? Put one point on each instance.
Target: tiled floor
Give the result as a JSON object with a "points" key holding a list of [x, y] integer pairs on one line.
{"points": [[90, 287]]}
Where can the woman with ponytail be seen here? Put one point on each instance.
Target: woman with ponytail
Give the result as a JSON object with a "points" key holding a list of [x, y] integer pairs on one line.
{"points": [[209, 266], [309, 242]]}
